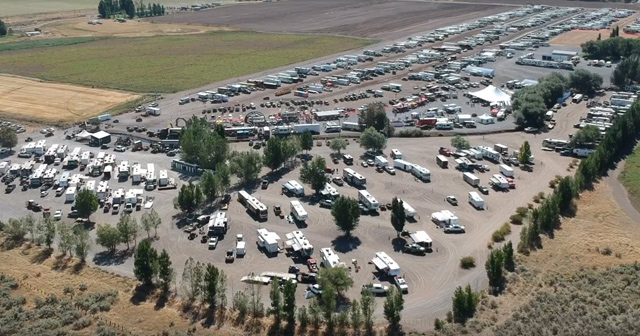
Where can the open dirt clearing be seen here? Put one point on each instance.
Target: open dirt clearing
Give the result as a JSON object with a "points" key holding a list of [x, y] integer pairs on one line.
{"points": [[575, 38], [28, 99], [377, 19], [80, 27]]}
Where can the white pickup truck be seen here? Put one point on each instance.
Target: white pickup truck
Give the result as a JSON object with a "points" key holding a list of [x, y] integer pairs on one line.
{"points": [[377, 289], [401, 284]]}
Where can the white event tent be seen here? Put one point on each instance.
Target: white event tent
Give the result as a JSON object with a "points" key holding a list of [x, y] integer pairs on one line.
{"points": [[492, 95]]}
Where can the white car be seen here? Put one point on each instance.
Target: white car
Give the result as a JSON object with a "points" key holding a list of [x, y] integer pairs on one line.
{"points": [[213, 243], [401, 284], [57, 215], [120, 149], [44, 193], [390, 170]]}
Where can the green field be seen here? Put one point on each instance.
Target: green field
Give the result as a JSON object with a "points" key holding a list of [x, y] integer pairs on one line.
{"points": [[630, 176], [169, 63]]}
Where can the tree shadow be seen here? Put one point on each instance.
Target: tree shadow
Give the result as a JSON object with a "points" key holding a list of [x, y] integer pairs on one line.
{"points": [[41, 256], [344, 244], [78, 267], [107, 258], [209, 319], [61, 262], [141, 293], [398, 244], [162, 300], [394, 331], [275, 329]]}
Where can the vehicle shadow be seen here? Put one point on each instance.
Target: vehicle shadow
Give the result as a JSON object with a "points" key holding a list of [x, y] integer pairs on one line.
{"points": [[344, 244]]}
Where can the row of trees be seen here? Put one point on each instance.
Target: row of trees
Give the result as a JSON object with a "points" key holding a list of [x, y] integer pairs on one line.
{"points": [[531, 103], [109, 8], [149, 267], [70, 240], [151, 9], [613, 49], [546, 218]]}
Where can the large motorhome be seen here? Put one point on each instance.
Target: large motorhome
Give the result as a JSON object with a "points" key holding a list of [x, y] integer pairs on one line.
{"points": [[298, 211], [252, 204]]}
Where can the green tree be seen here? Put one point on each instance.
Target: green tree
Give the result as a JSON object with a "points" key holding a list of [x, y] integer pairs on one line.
{"points": [[276, 302], [585, 82], [529, 109], [202, 145], [495, 272], [587, 135], [328, 304], [368, 306], [82, 244], [210, 286], [15, 229], [306, 141], [459, 306], [373, 140], [289, 303], [303, 318], [398, 216], [509, 261], [356, 316], [86, 203], [273, 155], [8, 136], [565, 191], [337, 145], [246, 166], [374, 115], [458, 142], [290, 148], [66, 238], [108, 237], [102, 9], [192, 279], [128, 228], [337, 278], [189, 198], [393, 306], [224, 177], [524, 156], [145, 264], [48, 231], [346, 214], [314, 173], [149, 220], [29, 224], [3, 28], [129, 8], [209, 185], [165, 271]]}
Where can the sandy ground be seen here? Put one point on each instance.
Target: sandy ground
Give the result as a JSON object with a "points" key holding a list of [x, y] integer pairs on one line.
{"points": [[432, 278], [80, 27], [23, 98], [575, 38], [377, 19]]}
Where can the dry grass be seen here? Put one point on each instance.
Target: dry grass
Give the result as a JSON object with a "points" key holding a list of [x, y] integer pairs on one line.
{"points": [[110, 28], [27, 99], [575, 38], [19, 7], [41, 275], [597, 240]]}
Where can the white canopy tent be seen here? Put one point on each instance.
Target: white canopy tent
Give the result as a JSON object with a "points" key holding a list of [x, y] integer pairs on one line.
{"points": [[84, 135], [492, 95]]}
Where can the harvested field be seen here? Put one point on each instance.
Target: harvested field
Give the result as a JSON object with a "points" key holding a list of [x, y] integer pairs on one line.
{"points": [[18, 7], [170, 63], [80, 27], [575, 38], [28, 99], [376, 19]]}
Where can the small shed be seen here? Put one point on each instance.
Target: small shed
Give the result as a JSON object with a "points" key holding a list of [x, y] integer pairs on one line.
{"points": [[100, 138]]}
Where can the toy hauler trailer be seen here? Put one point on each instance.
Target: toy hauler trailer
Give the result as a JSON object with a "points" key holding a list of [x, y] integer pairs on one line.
{"points": [[368, 200], [352, 177], [403, 165]]}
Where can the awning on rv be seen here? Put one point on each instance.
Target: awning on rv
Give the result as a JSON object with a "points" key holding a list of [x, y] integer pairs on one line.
{"points": [[379, 263]]}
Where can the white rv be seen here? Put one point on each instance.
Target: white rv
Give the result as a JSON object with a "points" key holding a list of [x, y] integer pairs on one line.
{"points": [[506, 170], [268, 240], [385, 264], [329, 258], [298, 212], [476, 200], [409, 211], [368, 200]]}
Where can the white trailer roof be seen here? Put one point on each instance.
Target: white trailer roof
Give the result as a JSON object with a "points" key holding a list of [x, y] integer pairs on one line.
{"points": [[268, 237], [421, 237]]}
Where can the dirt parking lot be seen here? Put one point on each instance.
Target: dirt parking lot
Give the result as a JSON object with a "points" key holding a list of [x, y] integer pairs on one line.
{"points": [[432, 278], [28, 99], [374, 19]]}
